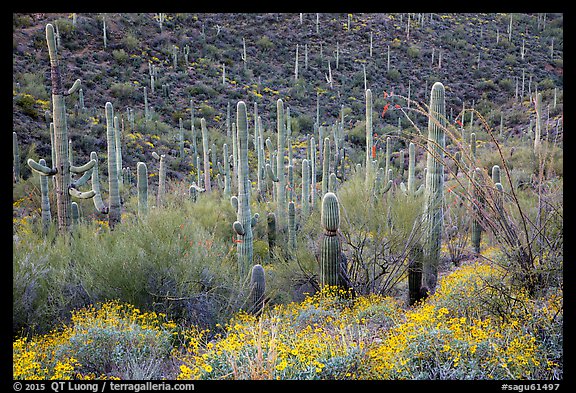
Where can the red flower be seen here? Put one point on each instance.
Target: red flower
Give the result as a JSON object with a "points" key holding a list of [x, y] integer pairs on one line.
{"points": [[374, 152], [397, 106], [385, 109], [459, 123]]}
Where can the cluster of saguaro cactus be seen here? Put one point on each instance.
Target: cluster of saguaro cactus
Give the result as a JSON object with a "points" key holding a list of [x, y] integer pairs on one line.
{"points": [[331, 268], [244, 220], [434, 189]]}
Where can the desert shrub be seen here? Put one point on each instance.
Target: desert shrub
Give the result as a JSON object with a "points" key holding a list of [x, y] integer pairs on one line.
{"points": [[110, 340]]}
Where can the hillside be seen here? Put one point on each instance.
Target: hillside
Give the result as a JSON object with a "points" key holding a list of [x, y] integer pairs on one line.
{"points": [[471, 54]]}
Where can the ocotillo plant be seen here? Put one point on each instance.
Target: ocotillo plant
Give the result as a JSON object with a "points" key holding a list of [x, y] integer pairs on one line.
{"points": [[142, 175], [244, 221], [411, 189], [16, 157], [61, 164], [205, 149], [331, 269], [257, 289], [114, 215], [434, 189]]}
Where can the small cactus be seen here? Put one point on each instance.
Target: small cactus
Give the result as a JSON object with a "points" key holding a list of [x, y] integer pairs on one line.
{"points": [[331, 269], [257, 289]]}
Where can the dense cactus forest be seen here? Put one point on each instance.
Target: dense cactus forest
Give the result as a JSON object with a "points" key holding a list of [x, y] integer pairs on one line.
{"points": [[287, 196]]}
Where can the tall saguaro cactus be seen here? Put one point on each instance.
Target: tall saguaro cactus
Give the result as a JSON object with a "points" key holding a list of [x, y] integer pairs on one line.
{"points": [[305, 188], [16, 155], [205, 149], [114, 215], [281, 181], [142, 178], [61, 166], [331, 269], [244, 220], [434, 191], [369, 132]]}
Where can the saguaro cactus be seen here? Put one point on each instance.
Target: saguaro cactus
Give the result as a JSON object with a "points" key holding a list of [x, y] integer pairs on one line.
{"points": [[62, 164], [257, 289], [45, 205], [305, 188], [369, 133], [114, 215], [434, 191], [142, 175], [281, 181], [16, 157], [331, 269], [271, 221], [161, 178], [205, 149], [244, 222], [291, 227], [477, 205], [95, 179], [411, 190], [538, 128]]}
